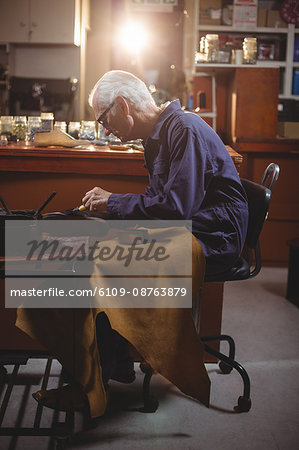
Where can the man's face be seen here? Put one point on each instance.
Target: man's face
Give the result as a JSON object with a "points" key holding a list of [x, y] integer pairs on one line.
{"points": [[114, 120]]}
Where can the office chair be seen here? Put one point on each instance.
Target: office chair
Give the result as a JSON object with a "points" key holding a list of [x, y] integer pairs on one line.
{"points": [[247, 266], [267, 179]]}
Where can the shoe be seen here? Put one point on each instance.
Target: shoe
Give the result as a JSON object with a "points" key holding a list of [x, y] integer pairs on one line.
{"points": [[116, 362], [124, 371], [66, 398], [58, 138]]}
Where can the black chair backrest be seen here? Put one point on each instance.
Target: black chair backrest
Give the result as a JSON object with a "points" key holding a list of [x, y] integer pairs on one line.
{"points": [[258, 204], [273, 171]]}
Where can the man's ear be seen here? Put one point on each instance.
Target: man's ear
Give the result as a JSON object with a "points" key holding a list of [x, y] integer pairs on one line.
{"points": [[123, 104]]}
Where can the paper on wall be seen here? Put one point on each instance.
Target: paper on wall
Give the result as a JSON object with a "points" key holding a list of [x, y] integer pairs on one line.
{"points": [[245, 14]]}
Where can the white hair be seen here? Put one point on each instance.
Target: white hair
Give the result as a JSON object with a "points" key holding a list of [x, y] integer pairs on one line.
{"points": [[125, 84]]}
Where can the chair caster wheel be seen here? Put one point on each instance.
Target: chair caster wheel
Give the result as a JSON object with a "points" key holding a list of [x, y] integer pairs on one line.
{"points": [[150, 404], [225, 368], [244, 404], [145, 368]]}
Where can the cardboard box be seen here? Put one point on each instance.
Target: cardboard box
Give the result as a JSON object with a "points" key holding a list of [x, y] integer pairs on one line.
{"points": [[288, 130], [210, 12], [274, 20], [262, 17]]}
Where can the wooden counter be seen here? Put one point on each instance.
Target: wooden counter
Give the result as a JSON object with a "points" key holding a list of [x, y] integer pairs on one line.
{"points": [[29, 174], [20, 157], [35, 172]]}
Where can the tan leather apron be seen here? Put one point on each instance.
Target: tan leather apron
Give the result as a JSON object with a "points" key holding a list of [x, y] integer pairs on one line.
{"points": [[164, 337]]}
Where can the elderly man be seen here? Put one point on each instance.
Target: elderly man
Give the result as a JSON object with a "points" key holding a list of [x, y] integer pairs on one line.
{"points": [[191, 174], [191, 177]]}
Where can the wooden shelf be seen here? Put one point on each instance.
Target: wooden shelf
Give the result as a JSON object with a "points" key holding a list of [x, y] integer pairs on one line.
{"points": [[231, 29], [259, 64], [287, 32]]}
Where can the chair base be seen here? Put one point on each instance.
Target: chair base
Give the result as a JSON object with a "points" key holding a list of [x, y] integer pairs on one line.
{"points": [[227, 364], [150, 403]]}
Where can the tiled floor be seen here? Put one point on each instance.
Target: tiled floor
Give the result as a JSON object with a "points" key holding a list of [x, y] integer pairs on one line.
{"points": [[266, 329]]}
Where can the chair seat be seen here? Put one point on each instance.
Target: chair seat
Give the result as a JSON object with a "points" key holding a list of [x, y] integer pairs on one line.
{"points": [[239, 271]]}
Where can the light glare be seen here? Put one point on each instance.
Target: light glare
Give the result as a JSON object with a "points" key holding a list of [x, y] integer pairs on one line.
{"points": [[133, 37]]}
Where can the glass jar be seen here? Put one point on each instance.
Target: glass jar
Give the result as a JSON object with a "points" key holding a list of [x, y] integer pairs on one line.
{"points": [[229, 49], [88, 130], [249, 50], [202, 55], [60, 125], [19, 129], [6, 126], [112, 139], [34, 126], [3, 139], [74, 129], [212, 47], [47, 120], [101, 133]]}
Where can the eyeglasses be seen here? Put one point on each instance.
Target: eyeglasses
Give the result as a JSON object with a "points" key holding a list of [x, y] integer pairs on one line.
{"points": [[102, 119]]}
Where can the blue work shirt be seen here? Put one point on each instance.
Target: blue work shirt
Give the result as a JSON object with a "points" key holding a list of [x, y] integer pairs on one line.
{"points": [[191, 177]]}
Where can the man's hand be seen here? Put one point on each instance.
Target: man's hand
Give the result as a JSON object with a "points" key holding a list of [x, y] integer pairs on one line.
{"points": [[96, 199]]}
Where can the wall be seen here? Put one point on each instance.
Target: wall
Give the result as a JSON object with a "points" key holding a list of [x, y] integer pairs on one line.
{"points": [[45, 61], [64, 61], [98, 54], [87, 63], [188, 37]]}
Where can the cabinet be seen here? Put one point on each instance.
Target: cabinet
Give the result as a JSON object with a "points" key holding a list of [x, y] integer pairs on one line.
{"points": [[282, 224], [286, 34], [249, 114], [40, 21]]}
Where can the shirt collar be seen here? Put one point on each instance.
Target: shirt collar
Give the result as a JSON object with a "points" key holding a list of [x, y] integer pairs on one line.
{"points": [[168, 111]]}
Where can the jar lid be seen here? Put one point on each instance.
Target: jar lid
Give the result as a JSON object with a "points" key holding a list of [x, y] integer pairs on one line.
{"points": [[34, 119], [20, 119], [47, 116], [212, 37], [89, 123], [6, 118]]}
